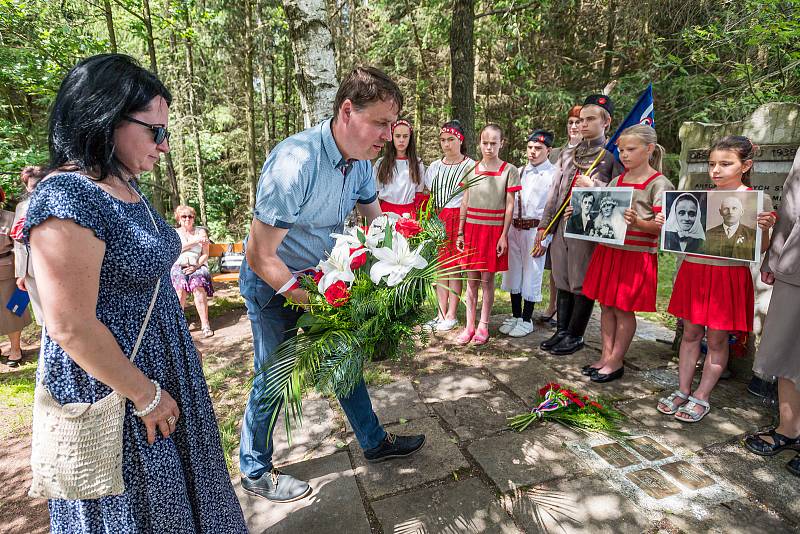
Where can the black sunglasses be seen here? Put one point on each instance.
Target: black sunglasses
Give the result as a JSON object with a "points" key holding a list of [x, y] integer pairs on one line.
{"points": [[160, 132]]}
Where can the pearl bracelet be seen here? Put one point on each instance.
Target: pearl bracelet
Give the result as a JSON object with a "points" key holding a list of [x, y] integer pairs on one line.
{"points": [[152, 406]]}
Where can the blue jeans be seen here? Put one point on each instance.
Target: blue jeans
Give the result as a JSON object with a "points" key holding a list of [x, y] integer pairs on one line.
{"points": [[272, 323]]}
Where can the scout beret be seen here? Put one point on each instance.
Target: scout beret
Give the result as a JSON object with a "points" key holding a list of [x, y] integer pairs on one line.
{"points": [[542, 136], [600, 100]]}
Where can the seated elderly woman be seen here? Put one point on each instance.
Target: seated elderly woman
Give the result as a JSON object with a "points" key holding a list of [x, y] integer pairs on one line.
{"points": [[190, 273]]}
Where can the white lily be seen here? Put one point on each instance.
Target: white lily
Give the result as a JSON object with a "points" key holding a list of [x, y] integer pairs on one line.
{"points": [[337, 266], [396, 262]]}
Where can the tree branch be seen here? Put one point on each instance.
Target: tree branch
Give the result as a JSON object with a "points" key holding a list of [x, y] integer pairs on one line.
{"points": [[506, 10]]}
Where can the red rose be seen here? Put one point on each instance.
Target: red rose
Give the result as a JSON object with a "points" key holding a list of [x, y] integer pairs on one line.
{"points": [[318, 276], [597, 405], [548, 387], [407, 227], [359, 260], [337, 294]]}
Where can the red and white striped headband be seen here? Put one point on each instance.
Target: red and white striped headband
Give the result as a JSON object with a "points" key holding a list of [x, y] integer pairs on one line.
{"points": [[402, 122], [454, 131]]}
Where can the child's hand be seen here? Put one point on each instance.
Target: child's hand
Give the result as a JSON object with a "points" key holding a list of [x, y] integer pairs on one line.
{"points": [[460, 242], [767, 219], [539, 248], [659, 219], [568, 211], [768, 278], [630, 217], [502, 245], [584, 181]]}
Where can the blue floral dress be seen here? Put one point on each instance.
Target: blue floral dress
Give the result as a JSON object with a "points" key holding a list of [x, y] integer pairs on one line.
{"points": [[179, 484]]}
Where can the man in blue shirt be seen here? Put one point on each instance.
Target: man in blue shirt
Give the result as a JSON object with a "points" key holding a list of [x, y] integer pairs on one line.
{"points": [[309, 184]]}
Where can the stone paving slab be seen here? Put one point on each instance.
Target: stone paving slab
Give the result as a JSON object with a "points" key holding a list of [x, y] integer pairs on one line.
{"points": [[479, 414], [732, 397], [438, 459], [334, 505], [314, 439], [765, 479], [393, 402], [523, 376], [586, 505], [645, 354], [518, 459], [717, 427], [466, 506], [453, 386], [734, 517]]}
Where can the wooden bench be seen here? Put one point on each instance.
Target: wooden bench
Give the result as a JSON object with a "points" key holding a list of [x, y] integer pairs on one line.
{"points": [[215, 250]]}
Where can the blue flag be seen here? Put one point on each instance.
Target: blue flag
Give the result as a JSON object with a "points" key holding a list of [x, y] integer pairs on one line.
{"points": [[642, 113]]}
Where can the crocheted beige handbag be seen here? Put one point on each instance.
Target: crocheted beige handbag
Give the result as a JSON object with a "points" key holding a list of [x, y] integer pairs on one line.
{"points": [[76, 449]]}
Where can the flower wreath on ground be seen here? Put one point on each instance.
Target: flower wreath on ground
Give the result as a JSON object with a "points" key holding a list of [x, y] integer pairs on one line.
{"points": [[366, 300], [567, 407]]}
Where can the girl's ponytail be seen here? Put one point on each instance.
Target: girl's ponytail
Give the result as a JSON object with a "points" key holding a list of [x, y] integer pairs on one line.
{"points": [[657, 158], [647, 135]]}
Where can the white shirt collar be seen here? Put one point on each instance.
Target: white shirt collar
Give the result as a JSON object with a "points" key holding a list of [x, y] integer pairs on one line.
{"points": [[730, 230]]}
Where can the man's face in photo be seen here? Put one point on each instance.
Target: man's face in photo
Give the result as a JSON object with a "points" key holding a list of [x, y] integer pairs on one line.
{"points": [[731, 211], [586, 204]]}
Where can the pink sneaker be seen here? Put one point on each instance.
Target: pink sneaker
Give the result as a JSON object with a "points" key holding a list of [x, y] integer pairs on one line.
{"points": [[465, 336], [481, 336]]}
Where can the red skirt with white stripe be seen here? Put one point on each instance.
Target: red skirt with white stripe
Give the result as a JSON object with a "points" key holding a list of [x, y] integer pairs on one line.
{"points": [[624, 279], [480, 247], [716, 296]]}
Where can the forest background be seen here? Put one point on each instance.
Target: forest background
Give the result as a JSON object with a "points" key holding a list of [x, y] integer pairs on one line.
{"points": [[231, 67]]}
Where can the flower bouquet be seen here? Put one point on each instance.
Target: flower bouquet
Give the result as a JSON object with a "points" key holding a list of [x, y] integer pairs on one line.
{"points": [[565, 406], [366, 300]]}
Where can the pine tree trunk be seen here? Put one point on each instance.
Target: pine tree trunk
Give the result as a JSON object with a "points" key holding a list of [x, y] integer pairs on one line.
{"points": [[158, 187], [193, 111], [610, 34], [112, 36], [266, 109], [252, 169], [462, 59], [315, 63]]}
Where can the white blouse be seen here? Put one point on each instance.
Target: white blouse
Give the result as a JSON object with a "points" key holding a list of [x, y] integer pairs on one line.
{"points": [[401, 189], [441, 174], [536, 180]]}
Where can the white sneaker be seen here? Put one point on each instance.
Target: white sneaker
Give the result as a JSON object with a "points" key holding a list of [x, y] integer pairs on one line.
{"points": [[446, 325], [509, 324], [432, 325], [521, 329]]}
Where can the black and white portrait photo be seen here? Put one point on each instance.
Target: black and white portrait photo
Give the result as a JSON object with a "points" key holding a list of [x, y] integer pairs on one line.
{"points": [[598, 214], [719, 224], [684, 229]]}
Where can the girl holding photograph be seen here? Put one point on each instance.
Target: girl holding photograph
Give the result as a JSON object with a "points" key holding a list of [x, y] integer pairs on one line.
{"points": [[399, 173], [485, 216], [714, 296], [624, 278], [442, 179]]}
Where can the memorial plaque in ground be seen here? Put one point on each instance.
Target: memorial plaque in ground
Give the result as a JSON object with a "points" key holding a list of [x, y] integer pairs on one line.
{"points": [[688, 475], [648, 448], [615, 454], [652, 482]]}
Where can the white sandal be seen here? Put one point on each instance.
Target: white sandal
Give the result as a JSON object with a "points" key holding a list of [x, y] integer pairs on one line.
{"points": [[688, 409], [670, 402]]}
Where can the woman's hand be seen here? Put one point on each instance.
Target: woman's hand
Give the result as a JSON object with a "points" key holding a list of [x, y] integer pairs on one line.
{"points": [[164, 417], [568, 211], [189, 269], [502, 245], [766, 220], [768, 278], [630, 217], [21, 284], [539, 248], [659, 219]]}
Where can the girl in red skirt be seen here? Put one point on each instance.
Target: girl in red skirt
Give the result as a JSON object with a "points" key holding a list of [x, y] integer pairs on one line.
{"points": [[442, 179], [623, 278], [714, 296], [399, 173], [485, 216]]}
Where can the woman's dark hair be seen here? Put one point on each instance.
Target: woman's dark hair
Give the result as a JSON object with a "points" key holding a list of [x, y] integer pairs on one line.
{"points": [[742, 147], [455, 123], [93, 100], [386, 168]]}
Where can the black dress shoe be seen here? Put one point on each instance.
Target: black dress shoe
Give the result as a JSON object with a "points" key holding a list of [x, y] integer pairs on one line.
{"points": [[588, 370], [276, 487], [553, 340], [607, 377], [394, 446], [569, 345]]}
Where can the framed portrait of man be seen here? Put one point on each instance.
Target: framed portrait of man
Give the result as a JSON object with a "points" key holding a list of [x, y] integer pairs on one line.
{"points": [[717, 224], [598, 214]]}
